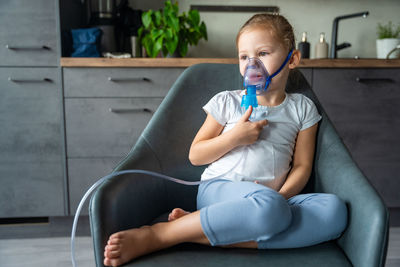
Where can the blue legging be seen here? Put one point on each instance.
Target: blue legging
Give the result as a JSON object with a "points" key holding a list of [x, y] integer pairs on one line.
{"points": [[234, 212]]}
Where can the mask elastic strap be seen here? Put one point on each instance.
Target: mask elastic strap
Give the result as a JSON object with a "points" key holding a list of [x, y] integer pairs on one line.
{"points": [[269, 78]]}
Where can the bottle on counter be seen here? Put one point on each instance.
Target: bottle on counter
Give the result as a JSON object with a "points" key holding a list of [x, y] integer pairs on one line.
{"points": [[321, 48], [135, 46], [304, 46]]}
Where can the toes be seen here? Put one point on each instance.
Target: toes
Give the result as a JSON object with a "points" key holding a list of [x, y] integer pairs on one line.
{"points": [[107, 262], [176, 214], [181, 213], [112, 254], [112, 248], [112, 262], [118, 235], [114, 241]]}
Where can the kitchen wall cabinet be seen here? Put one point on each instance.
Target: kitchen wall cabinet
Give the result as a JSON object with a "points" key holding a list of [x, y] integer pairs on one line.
{"points": [[106, 109], [29, 33], [363, 105], [31, 135]]}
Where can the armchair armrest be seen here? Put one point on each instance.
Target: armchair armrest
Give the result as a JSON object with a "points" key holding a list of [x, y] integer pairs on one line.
{"points": [[366, 237], [114, 205]]}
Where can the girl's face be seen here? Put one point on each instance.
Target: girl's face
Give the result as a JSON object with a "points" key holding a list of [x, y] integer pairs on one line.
{"points": [[260, 43]]}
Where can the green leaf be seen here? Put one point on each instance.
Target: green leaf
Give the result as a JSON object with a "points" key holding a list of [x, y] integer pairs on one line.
{"points": [[183, 48], [140, 32], [194, 17], [147, 42], [203, 30], [172, 44], [158, 45], [168, 34], [387, 31], [168, 31], [146, 18], [157, 17], [175, 8], [168, 5], [173, 22], [155, 34]]}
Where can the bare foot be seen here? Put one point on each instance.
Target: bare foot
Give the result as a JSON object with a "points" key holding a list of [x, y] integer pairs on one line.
{"points": [[125, 246], [176, 214]]}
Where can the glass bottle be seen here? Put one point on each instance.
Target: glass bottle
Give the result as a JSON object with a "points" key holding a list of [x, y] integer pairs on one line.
{"points": [[321, 48]]}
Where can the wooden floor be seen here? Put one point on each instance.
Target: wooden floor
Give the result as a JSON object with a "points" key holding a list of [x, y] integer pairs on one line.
{"points": [[39, 252]]}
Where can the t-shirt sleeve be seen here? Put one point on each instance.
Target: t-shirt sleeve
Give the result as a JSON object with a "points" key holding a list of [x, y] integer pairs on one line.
{"points": [[218, 107], [310, 115]]}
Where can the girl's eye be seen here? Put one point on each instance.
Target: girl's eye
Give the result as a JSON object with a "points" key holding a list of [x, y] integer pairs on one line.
{"points": [[263, 53], [243, 57]]}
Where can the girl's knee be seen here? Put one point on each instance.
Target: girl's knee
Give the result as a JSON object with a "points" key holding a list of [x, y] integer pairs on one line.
{"points": [[272, 213], [335, 214]]}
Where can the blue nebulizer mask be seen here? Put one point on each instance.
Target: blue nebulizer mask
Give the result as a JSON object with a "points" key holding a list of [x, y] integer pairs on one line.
{"points": [[256, 80]]}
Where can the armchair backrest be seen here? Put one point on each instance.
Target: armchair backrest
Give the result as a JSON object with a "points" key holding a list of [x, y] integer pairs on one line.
{"points": [[177, 120], [179, 117]]}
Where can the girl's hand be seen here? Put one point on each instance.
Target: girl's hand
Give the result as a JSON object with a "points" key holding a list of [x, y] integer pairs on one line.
{"points": [[247, 132]]}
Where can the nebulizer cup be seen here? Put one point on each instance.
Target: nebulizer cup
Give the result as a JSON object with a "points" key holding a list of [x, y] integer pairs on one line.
{"points": [[255, 83]]}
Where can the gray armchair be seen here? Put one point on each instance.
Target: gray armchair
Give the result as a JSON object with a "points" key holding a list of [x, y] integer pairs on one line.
{"points": [[134, 200]]}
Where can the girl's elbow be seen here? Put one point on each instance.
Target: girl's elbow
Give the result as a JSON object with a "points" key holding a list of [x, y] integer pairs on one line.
{"points": [[194, 160], [195, 163]]}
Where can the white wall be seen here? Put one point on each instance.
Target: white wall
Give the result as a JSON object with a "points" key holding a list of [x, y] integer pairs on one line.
{"points": [[312, 16]]}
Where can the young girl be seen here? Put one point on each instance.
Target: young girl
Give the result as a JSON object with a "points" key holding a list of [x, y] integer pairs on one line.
{"points": [[256, 204]]}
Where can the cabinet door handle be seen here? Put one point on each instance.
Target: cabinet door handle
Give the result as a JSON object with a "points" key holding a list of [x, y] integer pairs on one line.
{"points": [[365, 80], [144, 79], [43, 47], [44, 80], [130, 110]]}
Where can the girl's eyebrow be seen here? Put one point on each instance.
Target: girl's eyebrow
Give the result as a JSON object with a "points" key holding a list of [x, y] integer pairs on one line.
{"points": [[265, 46]]}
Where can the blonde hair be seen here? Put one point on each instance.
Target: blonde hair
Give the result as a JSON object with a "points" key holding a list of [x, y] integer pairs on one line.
{"points": [[276, 24]]}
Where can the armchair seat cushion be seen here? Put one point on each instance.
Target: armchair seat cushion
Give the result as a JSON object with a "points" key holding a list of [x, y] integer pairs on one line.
{"points": [[325, 254]]}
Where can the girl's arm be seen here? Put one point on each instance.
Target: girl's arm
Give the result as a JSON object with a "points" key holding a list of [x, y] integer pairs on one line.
{"points": [[302, 163], [209, 144]]}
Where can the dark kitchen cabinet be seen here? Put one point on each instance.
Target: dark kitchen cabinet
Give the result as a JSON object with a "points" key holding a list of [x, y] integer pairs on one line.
{"points": [[364, 107]]}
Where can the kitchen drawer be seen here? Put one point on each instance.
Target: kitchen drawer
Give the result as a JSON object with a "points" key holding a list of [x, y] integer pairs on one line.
{"points": [[363, 105], [31, 143], [119, 82], [82, 174], [28, 33], [105, 127]]}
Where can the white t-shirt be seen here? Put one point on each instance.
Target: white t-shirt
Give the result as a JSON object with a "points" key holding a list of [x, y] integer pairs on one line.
{"points": [[269, 159]]}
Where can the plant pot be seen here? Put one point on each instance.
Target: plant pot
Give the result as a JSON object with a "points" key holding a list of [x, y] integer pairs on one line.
{"points": [[175, 54], [384, 46]]}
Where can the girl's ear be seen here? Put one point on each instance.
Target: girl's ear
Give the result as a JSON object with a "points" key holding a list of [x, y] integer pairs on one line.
{"points": [[295, 59]]}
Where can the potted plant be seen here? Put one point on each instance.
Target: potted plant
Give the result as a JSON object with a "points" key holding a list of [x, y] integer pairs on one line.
{"points": [[169, 32], [388, 39]]}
